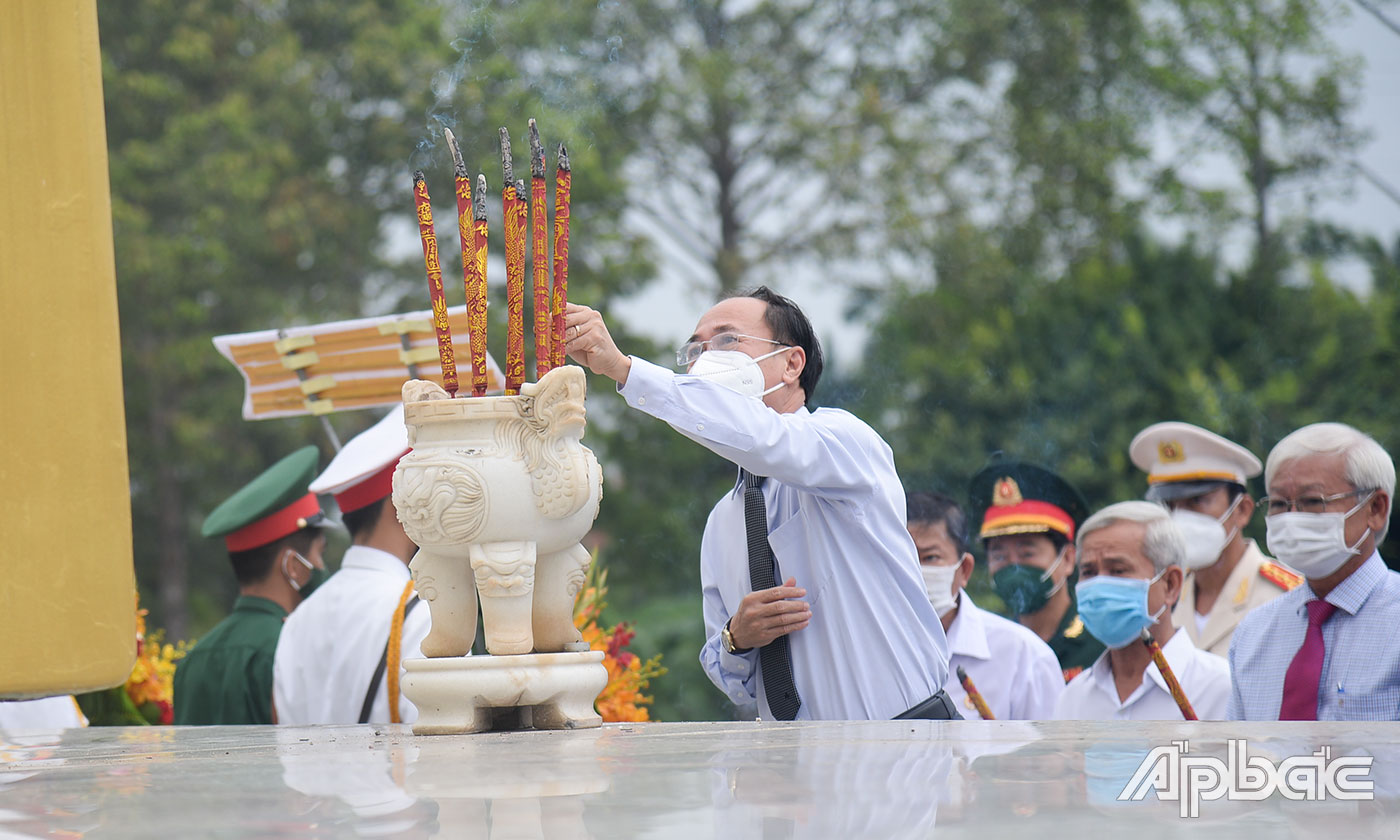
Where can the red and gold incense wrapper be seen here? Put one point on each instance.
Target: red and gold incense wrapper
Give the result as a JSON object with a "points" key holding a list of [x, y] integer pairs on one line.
{"points": [[476, 303], [1169, 676], [563, 181], [473, 279], [430, 262], [974, 695], [515, 224], [539, 257]]}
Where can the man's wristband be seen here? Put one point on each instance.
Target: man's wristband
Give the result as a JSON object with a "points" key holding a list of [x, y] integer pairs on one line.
{"points": [[726, 639]]}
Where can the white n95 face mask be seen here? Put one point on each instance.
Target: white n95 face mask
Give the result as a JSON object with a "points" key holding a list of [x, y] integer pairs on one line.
{"points": [[938, 583], [1313, 544], [1205, 536], [735, 370]]}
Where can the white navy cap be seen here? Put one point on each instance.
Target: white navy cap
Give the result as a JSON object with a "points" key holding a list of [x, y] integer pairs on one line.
{"points": [[1182, 460], [362, 472]]}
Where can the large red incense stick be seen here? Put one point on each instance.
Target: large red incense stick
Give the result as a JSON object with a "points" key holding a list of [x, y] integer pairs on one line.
{"points": [[1168, 676], [470, 281], [476, 304], [562, 183], [430, 262], [515, 224], [978, 701], [539, 256]]}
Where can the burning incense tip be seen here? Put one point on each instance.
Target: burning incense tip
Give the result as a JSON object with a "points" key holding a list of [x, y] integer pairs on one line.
{"points": [[507, 165], [563, 157], [536, 152], [418, 176], [479, 205], [521, 192], [458, 166]]}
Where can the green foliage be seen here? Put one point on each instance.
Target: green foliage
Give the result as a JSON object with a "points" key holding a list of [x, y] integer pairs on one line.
{"points": [[1064, 372]]}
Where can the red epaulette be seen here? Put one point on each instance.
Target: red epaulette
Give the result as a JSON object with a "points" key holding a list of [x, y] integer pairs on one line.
{"points": [[1276, 574]]}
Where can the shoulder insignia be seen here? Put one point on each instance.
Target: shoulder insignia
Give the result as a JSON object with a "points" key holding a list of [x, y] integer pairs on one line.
{"points": [[1242, 593], [1006, 493], [1075, 628], [1278, 575]]}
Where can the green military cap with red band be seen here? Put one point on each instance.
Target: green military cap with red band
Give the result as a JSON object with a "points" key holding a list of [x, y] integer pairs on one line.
{"points": [[1013, 497], [274, 505]]}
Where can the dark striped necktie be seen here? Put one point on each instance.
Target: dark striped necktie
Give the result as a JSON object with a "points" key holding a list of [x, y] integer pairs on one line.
{"points": [[774, 658]]}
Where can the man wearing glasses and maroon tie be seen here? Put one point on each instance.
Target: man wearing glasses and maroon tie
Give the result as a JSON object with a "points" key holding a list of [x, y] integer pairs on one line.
{"points": [[1326, 650], [814, 605]]}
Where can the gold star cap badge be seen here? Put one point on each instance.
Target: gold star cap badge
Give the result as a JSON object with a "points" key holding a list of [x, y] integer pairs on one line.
{"points": [[1007, 493]]}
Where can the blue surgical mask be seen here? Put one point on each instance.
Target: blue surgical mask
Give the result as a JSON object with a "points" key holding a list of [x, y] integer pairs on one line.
{"points": [[1114, 609]]}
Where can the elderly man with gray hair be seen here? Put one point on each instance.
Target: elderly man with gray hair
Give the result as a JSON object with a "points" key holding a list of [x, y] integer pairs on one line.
{"points": [[1130, 571], [1326, 650]]}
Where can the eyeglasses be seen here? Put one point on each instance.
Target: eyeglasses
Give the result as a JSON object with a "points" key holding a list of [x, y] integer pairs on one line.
{"points": [[691, 351], [1274, 505]]}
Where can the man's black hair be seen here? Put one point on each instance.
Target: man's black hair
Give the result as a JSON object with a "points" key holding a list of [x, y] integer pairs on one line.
{"points": [[790, 326], [362, 520], [255, 564], [933, 508]]}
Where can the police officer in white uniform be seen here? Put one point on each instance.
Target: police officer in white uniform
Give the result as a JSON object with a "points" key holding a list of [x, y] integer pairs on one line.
{"points": [[1201, 476], [335, 663]]}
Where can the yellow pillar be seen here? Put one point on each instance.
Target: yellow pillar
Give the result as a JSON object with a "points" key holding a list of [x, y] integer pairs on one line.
{"points": [[67, 594]]}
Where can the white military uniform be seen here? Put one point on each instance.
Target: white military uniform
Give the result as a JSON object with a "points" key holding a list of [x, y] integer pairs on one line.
{"points": [[46, 713], [1183, 461], [1255, 581], [1204, 677], [333, 642], [1013, 669]]}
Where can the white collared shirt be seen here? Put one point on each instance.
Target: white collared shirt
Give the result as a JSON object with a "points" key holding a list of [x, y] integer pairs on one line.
{"points": [[874, 647], [1013, 669], [332, 643], [1204, 677]]}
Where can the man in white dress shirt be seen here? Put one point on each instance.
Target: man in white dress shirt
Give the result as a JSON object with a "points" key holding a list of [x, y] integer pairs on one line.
{"points": [[841, 629], [334, 663], [1013, 669], [1130, 557]]}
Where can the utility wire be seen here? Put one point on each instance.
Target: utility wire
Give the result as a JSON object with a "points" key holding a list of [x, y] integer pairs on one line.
{"points": [[1376, 181], [1379, 15]]}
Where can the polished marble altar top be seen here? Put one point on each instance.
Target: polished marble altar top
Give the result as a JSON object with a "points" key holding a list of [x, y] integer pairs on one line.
{"points": [[726, 780]]}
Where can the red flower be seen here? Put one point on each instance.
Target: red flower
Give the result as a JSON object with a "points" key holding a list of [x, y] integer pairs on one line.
{"points": [[621, 638]]}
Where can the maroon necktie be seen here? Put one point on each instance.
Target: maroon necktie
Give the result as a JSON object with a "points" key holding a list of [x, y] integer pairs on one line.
{"points": [[1300, 684]]}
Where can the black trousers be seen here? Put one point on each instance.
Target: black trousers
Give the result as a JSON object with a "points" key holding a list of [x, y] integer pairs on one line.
{"points": [[938, 707]]}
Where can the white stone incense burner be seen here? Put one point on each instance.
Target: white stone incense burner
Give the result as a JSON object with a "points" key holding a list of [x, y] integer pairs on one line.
{"points": [[497, 492]]}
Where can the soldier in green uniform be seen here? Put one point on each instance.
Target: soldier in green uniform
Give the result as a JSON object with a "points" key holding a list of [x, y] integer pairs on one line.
{"points": [[1029, 516], [272, 530]]}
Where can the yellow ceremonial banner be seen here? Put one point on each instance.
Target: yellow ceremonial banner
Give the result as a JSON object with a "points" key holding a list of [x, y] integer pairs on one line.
{"points": [[343, 365], [66, 607]]}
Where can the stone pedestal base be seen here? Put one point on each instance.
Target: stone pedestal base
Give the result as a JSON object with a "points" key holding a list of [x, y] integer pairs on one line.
{"points": [[462, 694]]}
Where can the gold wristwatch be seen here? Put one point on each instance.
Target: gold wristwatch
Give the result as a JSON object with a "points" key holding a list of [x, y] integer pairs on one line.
{"points": [[727, 639]]}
